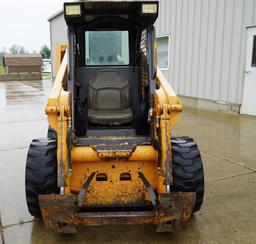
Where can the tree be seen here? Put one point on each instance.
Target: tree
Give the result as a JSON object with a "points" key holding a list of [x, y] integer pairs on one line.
{"points": [[45, 52], [2, 53], [22, 50], [14, 49]]}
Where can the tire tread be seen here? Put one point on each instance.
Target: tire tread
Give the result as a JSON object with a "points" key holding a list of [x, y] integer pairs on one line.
{"points": [[41, 172], [188, 173]]}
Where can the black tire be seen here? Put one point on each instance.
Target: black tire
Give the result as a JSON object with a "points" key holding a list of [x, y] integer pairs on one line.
{"points": [[188, 173], [51, 134], [41, 172]]}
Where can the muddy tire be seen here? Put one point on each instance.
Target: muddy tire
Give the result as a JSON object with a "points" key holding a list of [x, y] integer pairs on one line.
{"points": [[41, 172], [188, 173], [51, 134]]}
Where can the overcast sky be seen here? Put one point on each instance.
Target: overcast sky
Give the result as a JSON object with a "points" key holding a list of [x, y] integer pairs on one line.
{"points": [[24, 22]]}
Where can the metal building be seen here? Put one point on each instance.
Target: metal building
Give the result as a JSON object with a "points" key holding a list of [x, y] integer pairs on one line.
{"points": [[207, 50], [58, 35]]}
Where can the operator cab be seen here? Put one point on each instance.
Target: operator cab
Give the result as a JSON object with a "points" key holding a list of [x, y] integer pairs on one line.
{"points": [[111, 66]]}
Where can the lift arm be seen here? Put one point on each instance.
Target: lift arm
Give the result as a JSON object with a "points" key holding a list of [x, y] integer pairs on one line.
{"points": [[167, 108], [58, 110]]}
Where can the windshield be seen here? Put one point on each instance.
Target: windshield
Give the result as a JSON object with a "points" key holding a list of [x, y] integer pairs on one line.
{"points": [[107, 48]]}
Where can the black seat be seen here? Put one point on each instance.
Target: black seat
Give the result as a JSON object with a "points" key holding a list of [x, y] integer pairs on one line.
{"points": [[109, 100]]}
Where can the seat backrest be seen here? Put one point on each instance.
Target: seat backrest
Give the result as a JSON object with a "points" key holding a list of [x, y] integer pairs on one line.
{"points": [[108, 91]]}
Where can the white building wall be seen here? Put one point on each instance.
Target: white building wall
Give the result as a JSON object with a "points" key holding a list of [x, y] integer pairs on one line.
{"points": [[58, 32], [207, 46]]}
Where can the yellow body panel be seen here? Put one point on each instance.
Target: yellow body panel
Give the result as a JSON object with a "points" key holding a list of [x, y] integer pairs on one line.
{"points": [[113, 191], [141, 153]]}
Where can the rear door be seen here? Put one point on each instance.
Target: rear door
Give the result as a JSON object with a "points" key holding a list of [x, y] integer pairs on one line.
{"points": [[249, 93]]}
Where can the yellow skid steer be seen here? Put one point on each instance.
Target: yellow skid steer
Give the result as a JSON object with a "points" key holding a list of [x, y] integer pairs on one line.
{"points": [[109, 157]]}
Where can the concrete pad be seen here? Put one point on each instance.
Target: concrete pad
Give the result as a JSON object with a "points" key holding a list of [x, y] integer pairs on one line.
{"points": [[229, 213], [225, 218], [20, 135], [216, 168], [13, 207], [24, 120], [21, 113], [20, 121], [224, 136]]}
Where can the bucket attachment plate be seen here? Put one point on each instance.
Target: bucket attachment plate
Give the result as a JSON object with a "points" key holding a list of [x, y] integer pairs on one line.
{"points": [[179, 205], [60, 213]]}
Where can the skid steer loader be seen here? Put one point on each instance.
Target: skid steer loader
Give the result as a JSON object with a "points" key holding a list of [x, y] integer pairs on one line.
{"points": [[110, 157]]}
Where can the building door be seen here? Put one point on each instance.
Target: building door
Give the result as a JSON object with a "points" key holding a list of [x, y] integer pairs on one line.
{"points": [[249, 94]]}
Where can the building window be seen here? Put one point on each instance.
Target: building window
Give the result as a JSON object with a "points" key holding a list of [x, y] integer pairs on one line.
{"points": [[163, 52]]}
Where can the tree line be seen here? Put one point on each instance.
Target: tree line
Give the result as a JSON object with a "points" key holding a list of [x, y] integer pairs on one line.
{"points": [[17, 49]]}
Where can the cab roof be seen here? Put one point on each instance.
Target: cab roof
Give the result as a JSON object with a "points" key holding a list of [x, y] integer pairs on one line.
{"points": [[105, 10]]}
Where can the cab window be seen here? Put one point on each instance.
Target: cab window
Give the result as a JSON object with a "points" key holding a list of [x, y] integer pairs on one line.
{"points": [[107, 48]]}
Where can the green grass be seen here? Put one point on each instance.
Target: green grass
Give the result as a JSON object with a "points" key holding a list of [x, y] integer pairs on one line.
{"points": [[46, 74], [2, 69]]}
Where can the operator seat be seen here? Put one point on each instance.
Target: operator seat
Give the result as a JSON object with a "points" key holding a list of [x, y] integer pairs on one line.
{"points": [[108, 99]]}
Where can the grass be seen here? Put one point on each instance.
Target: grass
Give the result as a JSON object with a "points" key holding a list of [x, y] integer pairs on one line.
{"points": [[2, 69], [46, 74]]}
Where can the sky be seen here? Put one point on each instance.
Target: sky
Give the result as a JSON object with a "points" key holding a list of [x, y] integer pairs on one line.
{"points": [[24, 22]]}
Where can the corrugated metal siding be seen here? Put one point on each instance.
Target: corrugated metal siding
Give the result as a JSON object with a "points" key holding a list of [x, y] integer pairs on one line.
{"points": [[58, 30], [208, 43]]}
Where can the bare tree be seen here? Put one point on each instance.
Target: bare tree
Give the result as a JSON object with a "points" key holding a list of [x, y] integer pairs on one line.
{"points": [[14, 49], [22, 50]]}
